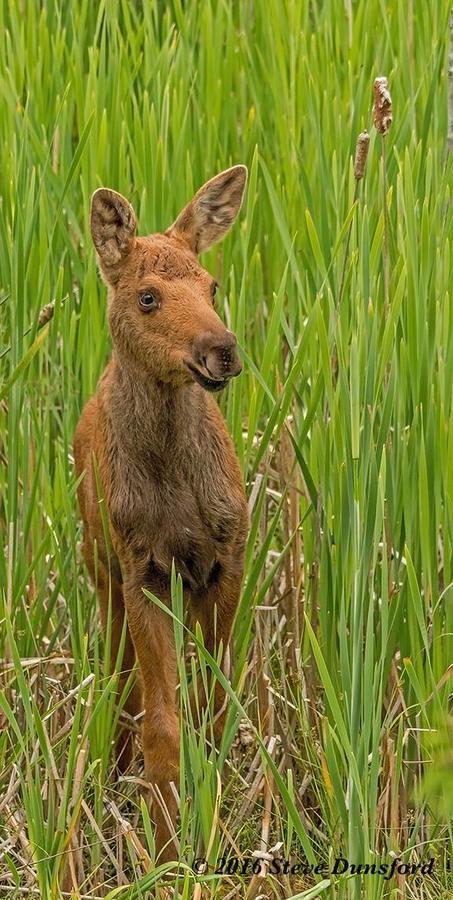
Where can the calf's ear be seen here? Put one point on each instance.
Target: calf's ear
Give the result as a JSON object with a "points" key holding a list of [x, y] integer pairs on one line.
{"points": [[212, 211], [113, 229]]}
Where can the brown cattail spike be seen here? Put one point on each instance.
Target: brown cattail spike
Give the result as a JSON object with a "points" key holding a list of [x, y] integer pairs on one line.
{"points": [[46, 314], [361, 154], [382, 108]]}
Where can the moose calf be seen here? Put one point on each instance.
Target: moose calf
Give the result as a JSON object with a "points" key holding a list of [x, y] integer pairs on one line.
{"points": [[155, 439]]}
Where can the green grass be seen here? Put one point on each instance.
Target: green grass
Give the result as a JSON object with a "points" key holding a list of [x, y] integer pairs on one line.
{"points": [[342, 421]]}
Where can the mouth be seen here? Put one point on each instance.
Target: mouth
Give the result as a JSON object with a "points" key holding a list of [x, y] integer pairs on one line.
{"points": [[209, 384]]}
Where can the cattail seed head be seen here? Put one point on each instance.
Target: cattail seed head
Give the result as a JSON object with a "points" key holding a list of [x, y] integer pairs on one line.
{"points": [[46, 313], [361, 154], [382, 108]]}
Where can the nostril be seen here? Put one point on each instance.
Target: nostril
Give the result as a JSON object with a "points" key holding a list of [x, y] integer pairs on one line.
{"points": [[204, 363]]}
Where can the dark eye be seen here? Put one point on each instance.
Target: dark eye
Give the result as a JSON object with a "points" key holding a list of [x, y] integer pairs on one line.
{"points": [[149, 300]]}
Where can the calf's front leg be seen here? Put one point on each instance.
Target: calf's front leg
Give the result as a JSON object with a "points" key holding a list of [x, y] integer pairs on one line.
{"points": [[152, 633]]}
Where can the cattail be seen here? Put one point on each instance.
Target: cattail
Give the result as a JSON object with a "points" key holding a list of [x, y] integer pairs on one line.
{"points": [[46, 314], [382, 108], [361, 154]]}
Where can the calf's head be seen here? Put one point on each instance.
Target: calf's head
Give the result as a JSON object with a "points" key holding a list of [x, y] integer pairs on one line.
{"points": [[161, 300]]}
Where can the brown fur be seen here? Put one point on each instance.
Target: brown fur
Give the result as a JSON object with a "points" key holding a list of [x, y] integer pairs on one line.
{"points": [[171, 481]]}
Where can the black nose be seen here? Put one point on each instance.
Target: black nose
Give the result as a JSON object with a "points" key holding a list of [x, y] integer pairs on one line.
{"points": [[217, 354]]}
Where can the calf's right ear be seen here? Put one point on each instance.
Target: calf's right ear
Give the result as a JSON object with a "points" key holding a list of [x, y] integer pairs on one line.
{"points": [[113, 229]]}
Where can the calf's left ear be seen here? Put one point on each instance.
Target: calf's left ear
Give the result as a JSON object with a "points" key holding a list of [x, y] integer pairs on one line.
{"points": [[212, 211]]}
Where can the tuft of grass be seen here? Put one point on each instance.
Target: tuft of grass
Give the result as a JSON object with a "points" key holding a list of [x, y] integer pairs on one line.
{"points": [[335, 742]]}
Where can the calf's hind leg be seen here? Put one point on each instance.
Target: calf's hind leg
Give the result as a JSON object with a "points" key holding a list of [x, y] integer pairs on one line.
{"points": [[111, 591], [215, 612]]}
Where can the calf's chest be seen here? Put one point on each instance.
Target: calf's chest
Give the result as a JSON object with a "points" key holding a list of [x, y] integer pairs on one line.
{"points": [[187, 513]]}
